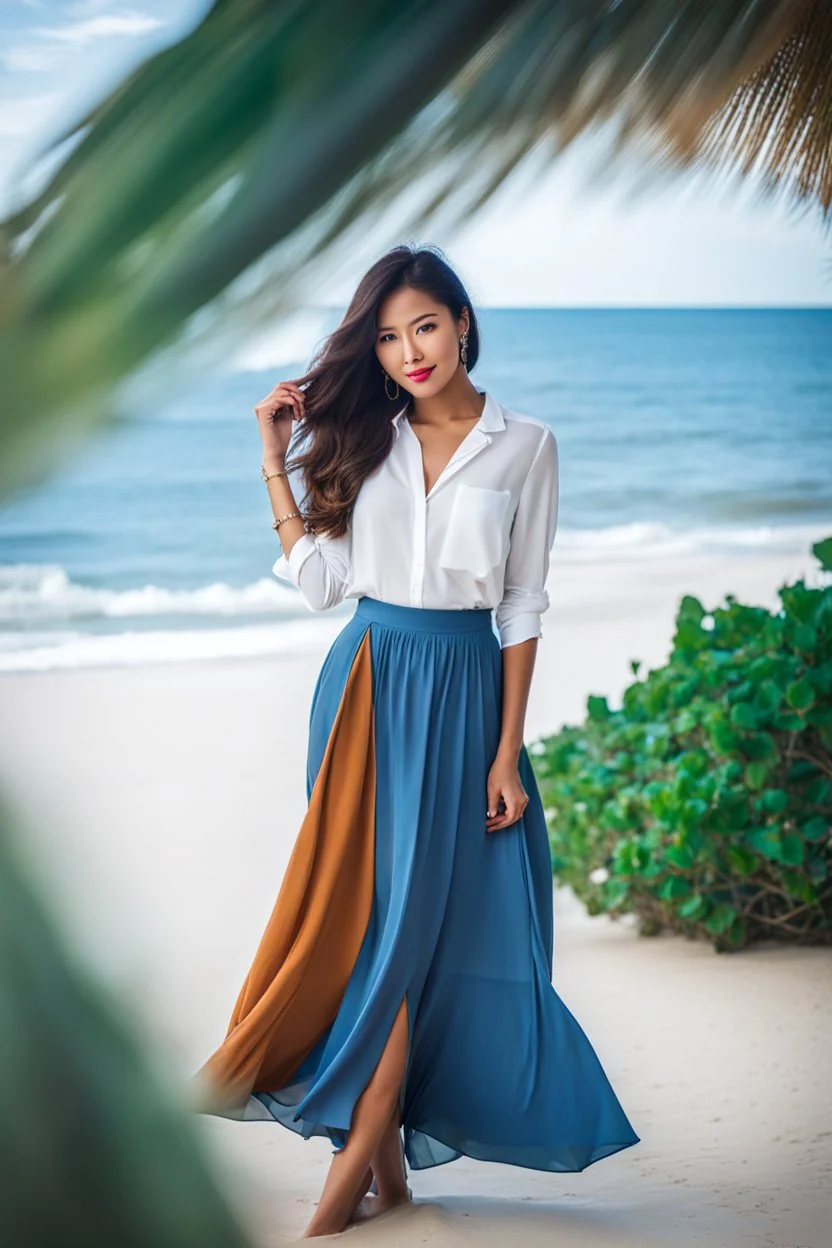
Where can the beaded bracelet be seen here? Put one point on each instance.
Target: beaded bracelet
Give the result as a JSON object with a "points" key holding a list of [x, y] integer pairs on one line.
{"points": [[277, 523]]}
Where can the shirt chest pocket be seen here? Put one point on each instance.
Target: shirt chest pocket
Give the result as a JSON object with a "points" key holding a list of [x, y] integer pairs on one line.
{"points": [[476, 537]]}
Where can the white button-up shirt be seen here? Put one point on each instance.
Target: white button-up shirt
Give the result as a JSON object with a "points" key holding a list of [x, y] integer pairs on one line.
{"points": [[481, 537]]}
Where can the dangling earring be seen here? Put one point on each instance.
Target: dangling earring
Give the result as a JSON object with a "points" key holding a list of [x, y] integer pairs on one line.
{"points": [[464, 350], [387, 378]]}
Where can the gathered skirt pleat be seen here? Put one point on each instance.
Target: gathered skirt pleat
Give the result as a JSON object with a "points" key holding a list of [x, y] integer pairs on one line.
{"points": [[395, 890]]}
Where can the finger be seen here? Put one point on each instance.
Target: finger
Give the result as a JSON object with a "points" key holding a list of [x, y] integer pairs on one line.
{"points": [[508, 817], [295, 403], [291, 388], [516, 816], [493, 796]]}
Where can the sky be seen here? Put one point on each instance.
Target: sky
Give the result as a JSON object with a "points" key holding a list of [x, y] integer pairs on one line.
{"points": [[548, 238]]}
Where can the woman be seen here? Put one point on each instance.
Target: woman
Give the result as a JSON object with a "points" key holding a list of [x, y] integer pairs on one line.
{"points": [[404, 978]]}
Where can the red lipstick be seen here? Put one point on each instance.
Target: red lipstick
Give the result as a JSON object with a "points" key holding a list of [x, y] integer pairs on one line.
{"points": [[421, 374]]}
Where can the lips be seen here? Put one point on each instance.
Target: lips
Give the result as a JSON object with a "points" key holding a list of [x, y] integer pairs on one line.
{"points": [[421, 374]]}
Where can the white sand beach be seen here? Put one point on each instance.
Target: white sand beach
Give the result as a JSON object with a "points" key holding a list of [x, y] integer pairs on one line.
{"points": [[161, 805]]}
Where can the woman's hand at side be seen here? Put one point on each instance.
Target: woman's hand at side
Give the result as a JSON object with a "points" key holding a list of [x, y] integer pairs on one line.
{"points": [[504, 783], [274, 415]]}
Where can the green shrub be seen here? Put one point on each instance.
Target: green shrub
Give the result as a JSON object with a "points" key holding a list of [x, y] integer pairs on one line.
{"points": [[704, 804]]}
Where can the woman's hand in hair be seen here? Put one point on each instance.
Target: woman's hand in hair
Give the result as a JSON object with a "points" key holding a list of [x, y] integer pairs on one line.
{"points": [[275, 414]]}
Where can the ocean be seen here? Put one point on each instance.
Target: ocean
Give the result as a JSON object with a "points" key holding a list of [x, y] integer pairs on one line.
{"points": [[680, 431]]}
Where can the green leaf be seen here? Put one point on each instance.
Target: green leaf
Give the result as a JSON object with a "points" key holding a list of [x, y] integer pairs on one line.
{"points": [[744, 716], [759, 746], [597, 708], [680, 856], [821, 676], [805, 638], [818, 869], [799, 887], [755, 775], [800, 694], [723, 739], [737, 933], [686, 722], [690, 608], [801, 769], [615, 892], [799, 602], [693, 812], [817, 828], [674, 886], [789, 722], [823, 551], [741, 859], [792, 849], [766, 841], [693, 908], [785, 847], [819, 792], [774, 800], [768, 697], [721, 918]]}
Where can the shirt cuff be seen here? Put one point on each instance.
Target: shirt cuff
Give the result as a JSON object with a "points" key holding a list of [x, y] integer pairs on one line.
{"points": [[519, 628], [288, 568]]}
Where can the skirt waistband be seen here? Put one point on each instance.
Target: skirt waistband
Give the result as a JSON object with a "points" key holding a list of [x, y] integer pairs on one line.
{"points": [[425, 619]]}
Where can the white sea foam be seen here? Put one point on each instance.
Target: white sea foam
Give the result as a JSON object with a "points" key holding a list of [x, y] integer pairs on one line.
{"points": [[650, 541], [43, 594], [49, 621], [56, 651], [40, 593]]}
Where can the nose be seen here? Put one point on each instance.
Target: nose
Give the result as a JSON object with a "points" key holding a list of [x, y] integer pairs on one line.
{"points": [[412, 354]]}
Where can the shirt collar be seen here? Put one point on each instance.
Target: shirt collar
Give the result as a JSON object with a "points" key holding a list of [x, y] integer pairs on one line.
{"points": [[492, 417]]}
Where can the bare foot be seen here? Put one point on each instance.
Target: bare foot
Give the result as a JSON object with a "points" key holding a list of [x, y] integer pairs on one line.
{"points": [[363, 1190], [371, 1206]]}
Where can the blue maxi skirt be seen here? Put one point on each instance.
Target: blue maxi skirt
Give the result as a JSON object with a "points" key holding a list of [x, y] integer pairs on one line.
{"points": [[455, 920]]}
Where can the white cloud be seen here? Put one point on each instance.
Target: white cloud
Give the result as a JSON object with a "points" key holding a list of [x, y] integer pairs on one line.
{"points": [[86, 8], [104, 27], [53, 42]]}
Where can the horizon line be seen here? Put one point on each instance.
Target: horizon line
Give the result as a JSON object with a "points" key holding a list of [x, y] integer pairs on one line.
{"points": [[633, 307]]}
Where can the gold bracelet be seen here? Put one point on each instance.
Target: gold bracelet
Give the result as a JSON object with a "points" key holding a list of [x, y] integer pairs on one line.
{"points": [[277, 523], [271, 474]]}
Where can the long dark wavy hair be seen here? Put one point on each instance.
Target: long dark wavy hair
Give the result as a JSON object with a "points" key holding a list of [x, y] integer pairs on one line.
{"points": [[347, 429]]}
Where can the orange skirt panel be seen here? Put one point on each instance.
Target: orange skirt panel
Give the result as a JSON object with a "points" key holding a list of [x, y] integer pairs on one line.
{"points": [[306, 954]]}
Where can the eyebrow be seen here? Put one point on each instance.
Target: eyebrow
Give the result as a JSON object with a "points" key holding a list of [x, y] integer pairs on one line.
{"points": [[382, 328]]}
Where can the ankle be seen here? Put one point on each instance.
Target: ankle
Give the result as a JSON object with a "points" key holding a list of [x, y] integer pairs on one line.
{"points": [[394, 1193]]}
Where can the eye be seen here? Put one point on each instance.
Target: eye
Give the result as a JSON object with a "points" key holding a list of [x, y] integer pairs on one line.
{"points": [[426, 325]]}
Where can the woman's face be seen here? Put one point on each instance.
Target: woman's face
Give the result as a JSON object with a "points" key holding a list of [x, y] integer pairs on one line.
{"points": [[415, 332]]}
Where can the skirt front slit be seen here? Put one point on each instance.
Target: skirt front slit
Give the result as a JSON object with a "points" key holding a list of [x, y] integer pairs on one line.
{"points": [[395, 890]]}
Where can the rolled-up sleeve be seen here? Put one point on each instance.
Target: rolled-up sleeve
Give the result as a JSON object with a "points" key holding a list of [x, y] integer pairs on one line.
{"points": [[319, 567], [518, 615]]}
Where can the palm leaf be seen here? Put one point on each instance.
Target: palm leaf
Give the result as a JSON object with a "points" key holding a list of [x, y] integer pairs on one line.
{"points": [[202, 196], [95, 1149]]}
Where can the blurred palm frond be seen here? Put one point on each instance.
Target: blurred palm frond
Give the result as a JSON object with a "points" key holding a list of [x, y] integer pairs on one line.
{"points": [[201, 194], [95, 1150]]}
